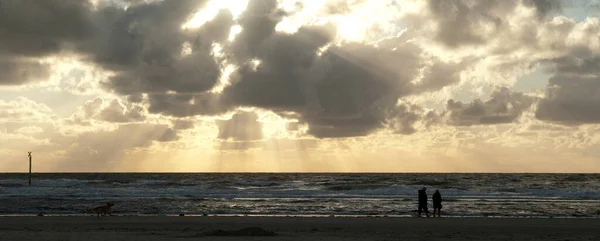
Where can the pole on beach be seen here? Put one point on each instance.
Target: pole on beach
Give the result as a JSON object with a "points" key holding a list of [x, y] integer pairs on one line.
{"points": [[29, 168]]}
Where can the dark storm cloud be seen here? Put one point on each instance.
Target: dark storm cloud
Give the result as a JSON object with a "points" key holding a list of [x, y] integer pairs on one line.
{"points": [[258, 21], [142, 34], [142, 43], [348, 90], [37, 28], [145, 44], [33, 29], [503, 107], [277, 83]]}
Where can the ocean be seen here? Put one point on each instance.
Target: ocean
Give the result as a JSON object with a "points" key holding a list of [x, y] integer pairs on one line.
{"points": [[301, 194]]}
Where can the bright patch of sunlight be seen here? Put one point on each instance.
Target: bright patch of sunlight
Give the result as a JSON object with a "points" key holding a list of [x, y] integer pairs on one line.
{"points": [[408, 7], [322, 50], [364, 17], [356, 24], [236, 7], [351, 28], [254, 63], [274, 126], [234, 31], [224, 80], [306, 13], [186, 49], [217, 50]]}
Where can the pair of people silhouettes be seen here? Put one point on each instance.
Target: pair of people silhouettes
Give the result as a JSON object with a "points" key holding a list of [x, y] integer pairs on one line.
{"points": [[437, 202]]}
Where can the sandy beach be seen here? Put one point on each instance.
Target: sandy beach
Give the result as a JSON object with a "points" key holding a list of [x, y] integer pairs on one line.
{"points": [[293, 228]]}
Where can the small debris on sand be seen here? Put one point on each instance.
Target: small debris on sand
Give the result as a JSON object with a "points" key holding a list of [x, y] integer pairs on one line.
{"points": [[252, 231]]}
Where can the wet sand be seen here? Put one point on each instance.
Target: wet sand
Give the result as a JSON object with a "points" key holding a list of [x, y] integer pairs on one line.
{"points": [[132, 228]]}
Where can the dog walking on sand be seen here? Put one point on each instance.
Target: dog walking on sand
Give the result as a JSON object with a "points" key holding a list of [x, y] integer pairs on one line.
{"points": [[102, 210]]}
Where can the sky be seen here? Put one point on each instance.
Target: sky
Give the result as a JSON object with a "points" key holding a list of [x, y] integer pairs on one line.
{"points": [[300, 86]]}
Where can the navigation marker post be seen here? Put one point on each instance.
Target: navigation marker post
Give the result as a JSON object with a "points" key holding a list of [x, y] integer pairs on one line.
{"points": [[29, 168]]}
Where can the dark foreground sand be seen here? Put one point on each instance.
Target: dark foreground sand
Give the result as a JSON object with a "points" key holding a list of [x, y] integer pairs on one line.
{"points": [[292, 228]]}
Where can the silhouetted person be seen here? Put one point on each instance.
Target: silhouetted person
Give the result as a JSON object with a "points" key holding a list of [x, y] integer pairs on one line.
{"points": [[423, 202], [437, 202]]}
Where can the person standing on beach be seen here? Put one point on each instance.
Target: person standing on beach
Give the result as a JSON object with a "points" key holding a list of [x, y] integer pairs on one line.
{"points": [[423, 202], [437, 203]]}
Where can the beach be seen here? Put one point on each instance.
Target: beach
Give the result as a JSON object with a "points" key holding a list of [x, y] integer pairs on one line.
{"points": [[150, 228]]}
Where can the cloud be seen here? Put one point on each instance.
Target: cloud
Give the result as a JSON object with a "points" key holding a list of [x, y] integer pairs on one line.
{"points": [[238, 145], [258, 23], [21, 71], [137, 135], [243, 126], [333, 87], [109, 110], [92, 145], [30, 130], [98, 150], [145, 44], [182, 124], [408, 118], [460, 23], [21, 142], [346, 90], [285, 144], [24, 110], [42, 28], [508, 38], [35, 29], [572, 94], [350, 89], [341, 90], [504, 106], [185, 105]]}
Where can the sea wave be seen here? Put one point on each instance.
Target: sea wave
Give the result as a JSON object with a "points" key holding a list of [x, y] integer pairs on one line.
{"points": [[303, 194]]}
